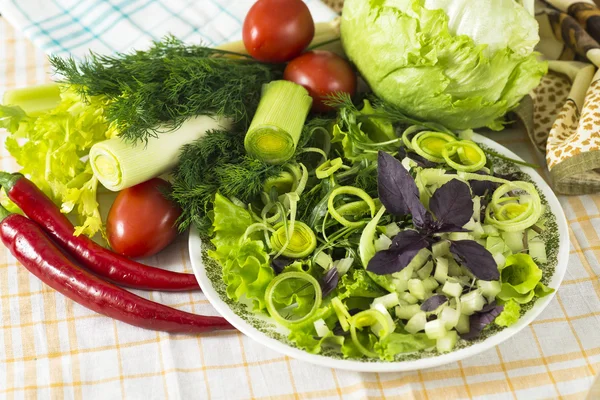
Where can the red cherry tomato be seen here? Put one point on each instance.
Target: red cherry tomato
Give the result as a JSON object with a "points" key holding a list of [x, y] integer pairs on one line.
{"points": [[277, 30], [141, 221], [322, 73]]}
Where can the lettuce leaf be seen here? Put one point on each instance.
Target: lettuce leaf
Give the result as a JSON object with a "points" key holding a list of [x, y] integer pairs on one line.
{"points": [[398, 343], [458, 63], [246, 268], [519, 276], [357, 283], [51, 150], [510, 314]]}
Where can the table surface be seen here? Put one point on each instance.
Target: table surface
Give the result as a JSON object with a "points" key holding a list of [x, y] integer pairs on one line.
{"points": [[53, 348]]}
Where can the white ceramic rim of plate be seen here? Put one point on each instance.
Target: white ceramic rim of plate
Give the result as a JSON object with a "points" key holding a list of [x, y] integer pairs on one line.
{"points": [[427, 362]]}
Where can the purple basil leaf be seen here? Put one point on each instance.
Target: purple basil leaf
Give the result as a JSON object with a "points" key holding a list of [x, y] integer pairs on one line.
{"points": [[397, 190], [404, 248], [279, 264], [480, 320], [480, 188], [329, 281], [445, 228], [476, 259], [488, 307], [452, 203], [432, 303]]}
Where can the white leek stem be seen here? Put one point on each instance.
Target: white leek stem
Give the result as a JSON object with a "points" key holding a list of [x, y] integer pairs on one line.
{"points": [[119, 165]]}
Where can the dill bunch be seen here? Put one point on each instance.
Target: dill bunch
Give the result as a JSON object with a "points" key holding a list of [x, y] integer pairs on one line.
{"points": [[153, 91], [216, 163]]}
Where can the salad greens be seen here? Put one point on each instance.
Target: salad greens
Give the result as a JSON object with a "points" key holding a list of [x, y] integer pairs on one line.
{"points": [[463, 64], [423, 257], [51, 145]]}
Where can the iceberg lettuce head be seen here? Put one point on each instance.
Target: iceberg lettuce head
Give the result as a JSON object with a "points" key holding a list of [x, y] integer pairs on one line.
{"points": [[461, 63]]}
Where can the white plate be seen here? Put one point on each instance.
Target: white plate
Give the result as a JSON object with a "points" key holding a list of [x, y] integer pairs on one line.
{"points": [[241, 320]]}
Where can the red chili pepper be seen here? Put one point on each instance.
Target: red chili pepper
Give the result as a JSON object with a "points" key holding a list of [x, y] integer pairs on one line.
{"points": [[112, 266], [32, 248]]}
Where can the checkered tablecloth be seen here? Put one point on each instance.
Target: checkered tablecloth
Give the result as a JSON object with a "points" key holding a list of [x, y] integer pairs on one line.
{"points": [[51, 348]]}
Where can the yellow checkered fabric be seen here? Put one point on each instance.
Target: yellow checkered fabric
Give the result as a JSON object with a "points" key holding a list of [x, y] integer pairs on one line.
{"points": [[51, 348]]}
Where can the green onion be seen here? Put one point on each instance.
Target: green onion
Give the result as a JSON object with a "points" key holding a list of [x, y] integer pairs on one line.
{"points": [[276, 127], [369, 318], [431, 145], [518, 218], [300, 244], [269, 293], [471, 157], [327, 169], [349, 190]]}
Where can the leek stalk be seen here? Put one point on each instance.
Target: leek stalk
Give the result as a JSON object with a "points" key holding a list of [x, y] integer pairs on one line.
{"points": [[276, 127], [118, 164], [34, 100]]}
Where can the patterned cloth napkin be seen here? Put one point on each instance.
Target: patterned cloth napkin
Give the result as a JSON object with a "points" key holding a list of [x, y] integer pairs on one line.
{"points": [[75, 27], [564, 117]]}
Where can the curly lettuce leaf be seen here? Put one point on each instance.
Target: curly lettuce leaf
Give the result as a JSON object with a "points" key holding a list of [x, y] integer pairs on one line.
{"points": [[519, 276], [357, 283], [510, 315], [354, 137], [246, 268], [398, 343], [51, 150]]}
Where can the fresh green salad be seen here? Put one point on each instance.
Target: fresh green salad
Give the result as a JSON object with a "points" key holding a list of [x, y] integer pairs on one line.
{"points": [[380, 239]]}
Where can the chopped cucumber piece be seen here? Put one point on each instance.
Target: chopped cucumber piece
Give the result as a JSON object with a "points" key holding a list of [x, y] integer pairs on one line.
{"points": [[323, 260], [430, 284], [490, 230], [460, 236], [416, 288], [489, 289], [496, 245], [464, 325], [452, 289], [481, 242], [441, 249], [401, 285], [342, 313], [447, 342], [441, 270], [408, 311], [388, 301], [382, 243], [435, 329], [450, 317], [343, 265], [500, 259], [537, 251], [477, 230], [454, 269], [426, 270], [392, 230], [532, 235], [469, 225], [514, 240], [408, 298], [416, 323], [405, 274], [321, 327], [476, 208], [471, 302]]}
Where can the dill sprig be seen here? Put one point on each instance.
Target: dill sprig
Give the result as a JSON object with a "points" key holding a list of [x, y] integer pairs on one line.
{"points": [[216, 163], [152, 91]]}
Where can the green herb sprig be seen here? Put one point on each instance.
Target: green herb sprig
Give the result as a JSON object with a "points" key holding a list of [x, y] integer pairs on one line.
{"points": [[155, 90]]}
